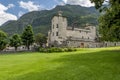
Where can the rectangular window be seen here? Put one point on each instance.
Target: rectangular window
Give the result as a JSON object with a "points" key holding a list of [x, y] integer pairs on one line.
{"points": [[57, 26], [56, 33]]}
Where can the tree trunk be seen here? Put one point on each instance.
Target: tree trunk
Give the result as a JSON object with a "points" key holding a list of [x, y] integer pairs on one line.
{"points": [[28, 47], [41, 45], [15, 48]]}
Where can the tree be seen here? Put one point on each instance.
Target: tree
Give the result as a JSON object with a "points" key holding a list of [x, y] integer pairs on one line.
{"points": [[40, 39], [15, 41], [28, 36], [3, 40], [109, 21]]}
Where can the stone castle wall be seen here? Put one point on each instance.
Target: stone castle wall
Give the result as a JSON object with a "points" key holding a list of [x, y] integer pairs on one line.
{"points": [[61, 34]]}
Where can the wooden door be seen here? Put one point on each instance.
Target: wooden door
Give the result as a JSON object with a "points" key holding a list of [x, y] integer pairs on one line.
{"points": [[82, 45]]}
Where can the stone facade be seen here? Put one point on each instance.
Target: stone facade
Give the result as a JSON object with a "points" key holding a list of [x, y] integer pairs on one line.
{"points": [[62, 35]]}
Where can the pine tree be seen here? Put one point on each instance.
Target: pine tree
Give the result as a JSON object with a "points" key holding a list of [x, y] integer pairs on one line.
{"points": [[28, 36]]}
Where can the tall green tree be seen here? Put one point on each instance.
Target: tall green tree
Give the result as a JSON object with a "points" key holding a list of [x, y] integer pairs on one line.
{"points": [[15, 41], [40, 39], [28, 36], [3, 40], [109, 21]]}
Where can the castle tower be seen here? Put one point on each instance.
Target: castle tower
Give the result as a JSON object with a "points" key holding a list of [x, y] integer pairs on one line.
{"points": [[58, 28], [93, 32]]}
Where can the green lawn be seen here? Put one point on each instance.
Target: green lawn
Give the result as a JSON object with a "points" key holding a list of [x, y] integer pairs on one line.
{"points": [[85, 64]]}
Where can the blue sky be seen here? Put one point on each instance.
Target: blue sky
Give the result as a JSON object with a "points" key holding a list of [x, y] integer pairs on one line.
{"points": [[13, 9]]}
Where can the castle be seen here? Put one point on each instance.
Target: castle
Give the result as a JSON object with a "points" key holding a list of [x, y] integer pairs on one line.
{"points": [[62, 35]]}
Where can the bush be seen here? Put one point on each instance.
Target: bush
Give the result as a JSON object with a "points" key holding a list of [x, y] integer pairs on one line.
{"points": [[55, 49], [42, 50]]}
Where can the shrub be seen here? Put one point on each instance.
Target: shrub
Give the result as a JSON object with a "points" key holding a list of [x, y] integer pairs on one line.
{"points": [[55, 49]]}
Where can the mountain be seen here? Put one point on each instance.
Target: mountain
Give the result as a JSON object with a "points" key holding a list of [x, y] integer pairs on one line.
{"points": [[41, 20]]}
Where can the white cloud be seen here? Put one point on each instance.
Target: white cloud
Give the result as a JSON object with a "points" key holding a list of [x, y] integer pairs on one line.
{"points": [[85, 3], [4, 16], [65, 1], [10, 5], [20, 13], [2, 8], [30, 6], [60, 2]]}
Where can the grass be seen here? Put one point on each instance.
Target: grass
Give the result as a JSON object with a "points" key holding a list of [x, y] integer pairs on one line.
{"points": [[85, 64]]}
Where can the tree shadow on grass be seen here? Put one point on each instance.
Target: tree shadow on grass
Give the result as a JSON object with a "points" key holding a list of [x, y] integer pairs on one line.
{"points": [[103, 65]]}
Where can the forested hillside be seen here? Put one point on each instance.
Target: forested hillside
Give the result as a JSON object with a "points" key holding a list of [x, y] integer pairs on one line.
{"points": [[41, 20]]}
